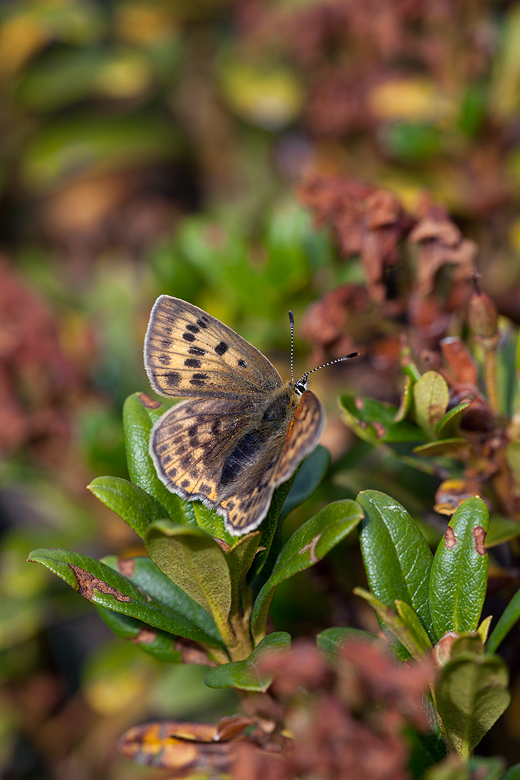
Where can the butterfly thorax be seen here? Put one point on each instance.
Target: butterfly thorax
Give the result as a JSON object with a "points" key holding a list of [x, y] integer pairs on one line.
{"points": [[270, 425]]}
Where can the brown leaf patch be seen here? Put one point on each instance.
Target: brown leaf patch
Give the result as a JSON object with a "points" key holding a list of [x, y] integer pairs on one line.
{"points": [[87, 584]]}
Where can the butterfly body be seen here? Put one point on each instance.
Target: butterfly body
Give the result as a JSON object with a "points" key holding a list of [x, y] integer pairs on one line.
{"points": [[241, 432]]}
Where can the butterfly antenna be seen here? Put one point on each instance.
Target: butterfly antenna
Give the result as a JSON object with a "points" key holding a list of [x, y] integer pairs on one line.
{"points": [[303, 380], [291, 321]]}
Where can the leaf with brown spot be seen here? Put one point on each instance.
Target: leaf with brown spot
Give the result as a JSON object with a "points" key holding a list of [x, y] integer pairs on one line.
{"points": [[459, 572], [107, 587], [306, 546], [88, 584]]}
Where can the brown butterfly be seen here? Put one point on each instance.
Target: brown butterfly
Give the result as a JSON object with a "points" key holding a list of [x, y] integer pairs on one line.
{"points": [[243, 432]]}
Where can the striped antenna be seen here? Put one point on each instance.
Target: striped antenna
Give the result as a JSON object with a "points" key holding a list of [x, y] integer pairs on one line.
{"points": [[291, 321], [301, 384], [331, 363]]}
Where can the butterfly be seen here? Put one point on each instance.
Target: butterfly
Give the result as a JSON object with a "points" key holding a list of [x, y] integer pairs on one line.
{"points": [[242, 431]]}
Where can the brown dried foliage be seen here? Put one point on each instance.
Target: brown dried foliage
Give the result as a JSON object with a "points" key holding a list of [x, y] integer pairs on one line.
{"points": [[39, 384], [346, 720], [404, 257]]}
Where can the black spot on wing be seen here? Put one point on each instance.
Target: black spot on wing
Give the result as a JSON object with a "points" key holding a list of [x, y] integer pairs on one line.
{"points": [[164, 360], [196, 351], [242, 363], [172, 378], [192, 363], [203, 322], [188, 337], [193, 328], [221, 348], [198, 380]]}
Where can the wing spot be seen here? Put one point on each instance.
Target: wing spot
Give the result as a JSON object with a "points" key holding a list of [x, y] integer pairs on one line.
{"points": [[172, 378], [242, 363], [188, 337], [192, 363], [198, 380], [186, 461], [166, 459], [206, 489], [192, 432], [164, 360], [215, 426], [166, 343], [193, 328], [221, 348], [196, 351], [185, 483], [172, 473], [203, 322]]}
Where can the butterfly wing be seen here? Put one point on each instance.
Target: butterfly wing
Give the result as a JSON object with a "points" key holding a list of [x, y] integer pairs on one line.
{"points": [[231, 455], [246, 509], [190, 443], [303, 435], [190, 354]]}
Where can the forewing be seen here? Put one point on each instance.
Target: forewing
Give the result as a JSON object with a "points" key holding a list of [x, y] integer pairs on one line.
{"points": [[190, 354], [302, 436], [190, 443]]}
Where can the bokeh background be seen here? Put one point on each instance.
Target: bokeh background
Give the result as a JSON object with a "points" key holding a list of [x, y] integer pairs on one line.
{"points": [[155, 146]]}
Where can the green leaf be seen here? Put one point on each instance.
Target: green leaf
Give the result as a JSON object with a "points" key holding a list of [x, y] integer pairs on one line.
{"points": [[459, 571], [139, 412], [396, 555], [471, 694], [105, 587], [501, 529], [431, 397], [306, 480], [309, 544], [269, 526], [156, 643], [143, 573], [331, 640], [211, 522], [448, 426], [450, 448], [129, 501], [239, 560], [308, 477], [398, 627], [414, 626], [513, 773], [405, 407], [194, 561], [507, 620], [375, 422], [244, 674]]}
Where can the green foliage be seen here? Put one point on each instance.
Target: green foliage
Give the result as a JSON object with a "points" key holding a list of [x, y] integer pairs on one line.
{"points": [[244, 674], [459, 572]]}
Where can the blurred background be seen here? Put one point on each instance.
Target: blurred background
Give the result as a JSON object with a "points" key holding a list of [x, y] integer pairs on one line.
{"points": [[172, 146]]}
